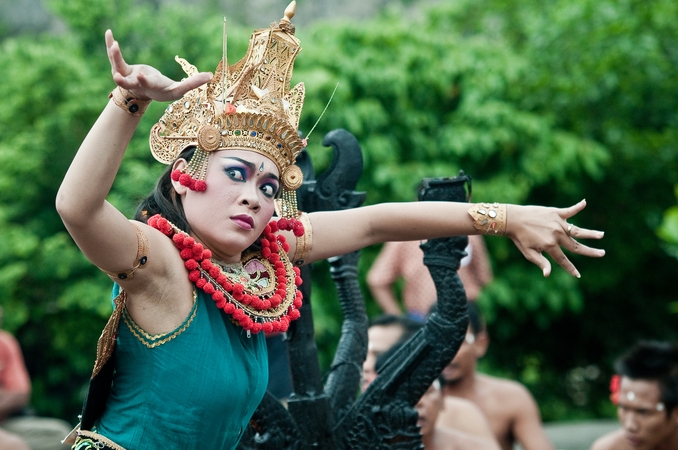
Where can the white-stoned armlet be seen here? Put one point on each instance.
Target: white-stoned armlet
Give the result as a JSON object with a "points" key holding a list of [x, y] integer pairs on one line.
{"points": [[489, 217]]}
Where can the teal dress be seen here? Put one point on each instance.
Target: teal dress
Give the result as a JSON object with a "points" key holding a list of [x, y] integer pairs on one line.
{"points": [[193, 388]]}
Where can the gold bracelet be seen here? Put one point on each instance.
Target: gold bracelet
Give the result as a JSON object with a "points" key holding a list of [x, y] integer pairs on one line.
{"points": [[304, 242], [139, 262], [128, 102], [489, 217]]}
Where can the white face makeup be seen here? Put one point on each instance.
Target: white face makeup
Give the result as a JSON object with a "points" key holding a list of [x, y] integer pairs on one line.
{"points": [[238, 203]]}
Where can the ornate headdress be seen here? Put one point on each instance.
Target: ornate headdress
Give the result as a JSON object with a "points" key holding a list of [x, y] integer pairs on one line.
{"points": [[248, 105]]}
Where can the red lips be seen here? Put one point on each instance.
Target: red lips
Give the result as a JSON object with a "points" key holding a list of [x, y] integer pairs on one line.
{"points": [[243, 221]]}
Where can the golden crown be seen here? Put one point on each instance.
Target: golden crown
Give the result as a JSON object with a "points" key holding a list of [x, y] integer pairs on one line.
{"points": [[247, 106]]}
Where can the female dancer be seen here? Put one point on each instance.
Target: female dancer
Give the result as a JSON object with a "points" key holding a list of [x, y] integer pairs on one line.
{"points": [[205, 267]]}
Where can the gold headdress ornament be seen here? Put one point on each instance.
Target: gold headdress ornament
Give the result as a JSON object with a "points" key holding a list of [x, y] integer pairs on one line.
{"points": [[248, 105]]}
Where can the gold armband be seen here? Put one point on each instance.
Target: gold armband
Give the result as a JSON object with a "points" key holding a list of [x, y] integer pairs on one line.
{"points": [[141, 259], [489, 217], [128, 102], [304, 242]]}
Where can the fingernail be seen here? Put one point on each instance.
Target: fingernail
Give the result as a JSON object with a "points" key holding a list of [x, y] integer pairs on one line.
{"points": [[577, 274]]}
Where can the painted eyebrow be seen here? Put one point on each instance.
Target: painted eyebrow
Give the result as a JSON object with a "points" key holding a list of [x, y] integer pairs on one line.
{"points": [[251, 166]]}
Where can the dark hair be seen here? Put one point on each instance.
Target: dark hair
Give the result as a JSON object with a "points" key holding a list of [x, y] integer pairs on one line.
{"points": [[164, 200], [475, 316], [409, 326], [653, 361]]}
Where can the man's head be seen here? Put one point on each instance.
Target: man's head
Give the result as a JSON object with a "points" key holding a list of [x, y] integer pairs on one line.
{"points": [[384, 332], [472, 348], [428, 408], [648, 394]]}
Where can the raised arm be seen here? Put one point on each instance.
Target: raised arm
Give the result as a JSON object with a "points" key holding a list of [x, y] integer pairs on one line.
{"points": [[103, 234], [533, 229]]}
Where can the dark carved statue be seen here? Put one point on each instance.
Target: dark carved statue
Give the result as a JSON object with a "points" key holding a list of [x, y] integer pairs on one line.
{"points": [[332, 415]]}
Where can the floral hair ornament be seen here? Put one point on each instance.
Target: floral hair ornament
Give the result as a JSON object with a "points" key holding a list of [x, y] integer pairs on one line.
{"points": [[615, 384], [615, 392], [249, 106]]}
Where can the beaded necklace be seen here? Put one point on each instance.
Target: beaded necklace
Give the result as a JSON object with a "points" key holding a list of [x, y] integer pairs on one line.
{"points": [[260, 292]]}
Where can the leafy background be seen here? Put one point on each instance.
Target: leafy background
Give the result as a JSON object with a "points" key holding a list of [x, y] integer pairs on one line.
{"points": [[542, 102]]}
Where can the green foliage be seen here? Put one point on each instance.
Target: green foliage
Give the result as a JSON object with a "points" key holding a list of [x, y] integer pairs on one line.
{"points": [[541, 102]]}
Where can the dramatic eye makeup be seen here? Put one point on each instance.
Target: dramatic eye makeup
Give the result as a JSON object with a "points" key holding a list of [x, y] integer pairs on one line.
{"points": [[269, 188], [270, 184], [236, 173]]}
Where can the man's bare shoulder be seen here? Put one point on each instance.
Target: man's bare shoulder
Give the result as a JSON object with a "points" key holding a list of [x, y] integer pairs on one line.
{"points": [[611, 441], [464, 415], [450, 439], [502, 387]]}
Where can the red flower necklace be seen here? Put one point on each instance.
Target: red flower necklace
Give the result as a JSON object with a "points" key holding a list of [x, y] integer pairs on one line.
{"points": [[259, 293]]}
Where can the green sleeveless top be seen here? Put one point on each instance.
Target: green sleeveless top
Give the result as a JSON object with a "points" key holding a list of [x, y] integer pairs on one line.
{"points": [[193, 388]]}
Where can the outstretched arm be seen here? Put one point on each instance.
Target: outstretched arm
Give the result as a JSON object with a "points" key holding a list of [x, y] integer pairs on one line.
{"points": [[533, 229], [103, 233]]}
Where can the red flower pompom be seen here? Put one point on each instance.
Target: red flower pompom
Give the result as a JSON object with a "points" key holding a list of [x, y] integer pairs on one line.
{"points": [[229, 308], [274, 226], [200, 186], [256, 328], [615, 385], [214, 271], [298, 228], [238, 314], [207, 264], [186, 253], [297, 303], [283, 224], [274, 247], [209, 289], [191, 264], [267, 327], [285, 246], [298, 281], [265, 252], [175, 175], [201, 283], [294, 314], [194, 276], [185, 180], [218, 296], [265, 242]]}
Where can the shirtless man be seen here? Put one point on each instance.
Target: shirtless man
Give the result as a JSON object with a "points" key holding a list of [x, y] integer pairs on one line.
{"points": [[435, 437], [469, 427], [646, 395], [14, 387], [508, 406]]}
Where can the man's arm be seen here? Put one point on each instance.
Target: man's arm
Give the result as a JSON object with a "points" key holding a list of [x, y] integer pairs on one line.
{"points": [[15, 384], [381, 277], [527, 426]]}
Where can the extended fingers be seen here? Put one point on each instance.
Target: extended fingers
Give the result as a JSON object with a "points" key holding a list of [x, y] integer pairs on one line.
{"points": [[576, 247], [583, 233], [118, 64], [570, 211], [563, 261]]}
